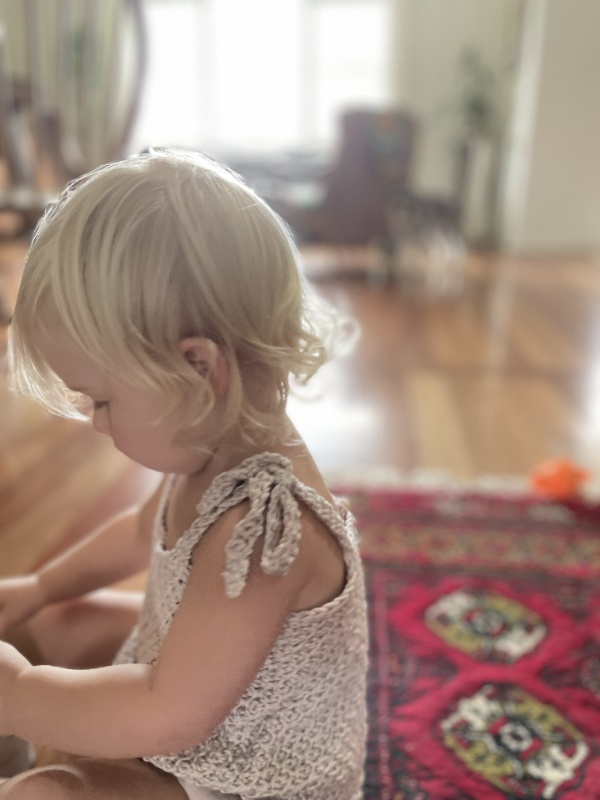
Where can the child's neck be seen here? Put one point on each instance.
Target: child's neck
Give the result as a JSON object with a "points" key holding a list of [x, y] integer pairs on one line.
{"points": [[189, 488], [232, 450]]}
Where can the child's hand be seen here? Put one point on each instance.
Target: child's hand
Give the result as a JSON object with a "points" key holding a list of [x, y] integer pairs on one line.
{"points": [[11, 665], [20, 598]]}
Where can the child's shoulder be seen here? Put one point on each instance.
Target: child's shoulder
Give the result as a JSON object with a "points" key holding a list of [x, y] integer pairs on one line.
{"points": [[258, 522]]}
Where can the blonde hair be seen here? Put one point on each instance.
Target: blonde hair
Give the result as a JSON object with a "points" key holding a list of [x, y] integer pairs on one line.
{"points": [[138, 255]]}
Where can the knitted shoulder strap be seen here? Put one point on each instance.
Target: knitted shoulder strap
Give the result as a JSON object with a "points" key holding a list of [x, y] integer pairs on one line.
{"points": [[268, 483]]}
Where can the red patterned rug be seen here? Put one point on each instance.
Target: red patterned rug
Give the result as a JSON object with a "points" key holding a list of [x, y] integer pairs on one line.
{"points": [[485, 646]]}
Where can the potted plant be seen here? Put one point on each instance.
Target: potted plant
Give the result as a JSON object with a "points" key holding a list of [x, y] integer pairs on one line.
{"points": [[477, 113]]}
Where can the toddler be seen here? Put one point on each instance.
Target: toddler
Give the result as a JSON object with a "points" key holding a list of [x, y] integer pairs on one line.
{"points": [[162, 298]]}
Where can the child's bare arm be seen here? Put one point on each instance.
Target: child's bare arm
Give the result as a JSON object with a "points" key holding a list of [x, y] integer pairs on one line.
{"points": [[114, 551], [118, 549], [211, 654]]}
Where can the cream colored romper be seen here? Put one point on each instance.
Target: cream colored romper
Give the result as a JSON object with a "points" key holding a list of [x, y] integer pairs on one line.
{"points": [[299, 730]]}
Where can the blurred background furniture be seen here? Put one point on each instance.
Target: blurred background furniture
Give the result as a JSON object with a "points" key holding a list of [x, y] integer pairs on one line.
{"points": [[70, 88], [373, 161], [363, 196], [349, 201]]}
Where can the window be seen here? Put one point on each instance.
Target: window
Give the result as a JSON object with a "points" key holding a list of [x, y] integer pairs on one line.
{"points": [[231, 75]]}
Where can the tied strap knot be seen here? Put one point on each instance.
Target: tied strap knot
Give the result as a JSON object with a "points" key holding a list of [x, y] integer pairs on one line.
{"points": [[274, 514]]}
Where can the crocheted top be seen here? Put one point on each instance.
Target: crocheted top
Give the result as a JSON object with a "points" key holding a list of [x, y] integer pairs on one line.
{"points": [[299, 729]]}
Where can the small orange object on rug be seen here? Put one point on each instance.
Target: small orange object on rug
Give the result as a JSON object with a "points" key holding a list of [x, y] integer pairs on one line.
{"points": [[558, 478]]}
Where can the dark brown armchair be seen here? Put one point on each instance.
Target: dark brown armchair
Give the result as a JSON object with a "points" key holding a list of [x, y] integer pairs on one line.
{"points": [[372, 165]]}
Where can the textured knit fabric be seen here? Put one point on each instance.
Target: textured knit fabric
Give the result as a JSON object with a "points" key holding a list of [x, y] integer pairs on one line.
{"points": [[298, 732]]}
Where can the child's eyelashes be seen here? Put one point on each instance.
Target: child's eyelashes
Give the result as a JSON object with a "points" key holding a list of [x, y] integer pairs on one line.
{"points": [[98, 404]]}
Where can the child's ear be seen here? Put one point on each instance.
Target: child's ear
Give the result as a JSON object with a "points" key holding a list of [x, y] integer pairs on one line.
{"points": [[205, 358]]}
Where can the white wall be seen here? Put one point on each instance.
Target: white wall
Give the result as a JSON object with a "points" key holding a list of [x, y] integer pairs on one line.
{"points": [[550, 195]]}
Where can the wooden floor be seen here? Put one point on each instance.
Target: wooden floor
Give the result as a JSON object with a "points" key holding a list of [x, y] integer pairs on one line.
{"points": [[490, 382]]}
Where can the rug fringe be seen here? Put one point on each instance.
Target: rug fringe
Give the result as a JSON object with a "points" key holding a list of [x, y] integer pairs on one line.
{"points": [[389, 477]]}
